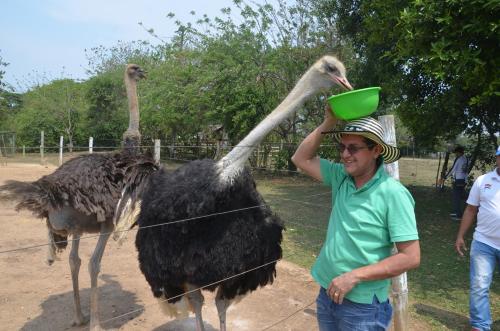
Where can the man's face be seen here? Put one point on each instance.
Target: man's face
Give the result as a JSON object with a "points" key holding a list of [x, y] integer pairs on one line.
{"points": [[363, 160]]}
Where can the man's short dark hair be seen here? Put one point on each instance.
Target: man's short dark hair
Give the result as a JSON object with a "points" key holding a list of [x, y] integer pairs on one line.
{"points": [[371, 145], [459, 149]]}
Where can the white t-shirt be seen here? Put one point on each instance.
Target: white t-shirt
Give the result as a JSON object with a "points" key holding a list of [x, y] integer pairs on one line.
{"points": [[485, 193], [459, 170]]}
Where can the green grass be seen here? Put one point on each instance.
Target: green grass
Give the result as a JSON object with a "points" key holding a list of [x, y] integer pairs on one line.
{"points": [[438, 289]]}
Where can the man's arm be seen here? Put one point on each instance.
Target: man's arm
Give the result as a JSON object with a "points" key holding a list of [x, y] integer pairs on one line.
{"points": [[305, 157], [408, 257], [468, 218]]}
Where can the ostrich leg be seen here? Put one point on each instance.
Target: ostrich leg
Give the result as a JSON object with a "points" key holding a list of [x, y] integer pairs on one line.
{"points": [[196, 300], [74, 264], [51, 248], [94, 268], [221, 304]]}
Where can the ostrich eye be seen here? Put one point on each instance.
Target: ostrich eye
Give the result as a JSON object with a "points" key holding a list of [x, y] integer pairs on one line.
{"points": [[331, 68]]}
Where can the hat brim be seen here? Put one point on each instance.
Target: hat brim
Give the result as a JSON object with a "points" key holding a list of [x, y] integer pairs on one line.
{"points": [[390, 153]]}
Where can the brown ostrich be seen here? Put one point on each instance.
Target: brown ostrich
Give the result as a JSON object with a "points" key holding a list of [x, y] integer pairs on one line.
{"points": [[81, 196]]}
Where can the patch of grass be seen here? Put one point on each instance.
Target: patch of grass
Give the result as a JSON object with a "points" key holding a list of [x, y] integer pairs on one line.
{"points": [[438, 289]]}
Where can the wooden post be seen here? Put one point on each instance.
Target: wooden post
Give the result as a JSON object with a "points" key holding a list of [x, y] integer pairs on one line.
{"points": [[61, 146], [399, 283], [91, 145], [41, 147], [157, 150]]}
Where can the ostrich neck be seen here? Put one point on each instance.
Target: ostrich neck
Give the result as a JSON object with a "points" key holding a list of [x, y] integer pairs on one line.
{"points": [[133, 106], [236, 158]]}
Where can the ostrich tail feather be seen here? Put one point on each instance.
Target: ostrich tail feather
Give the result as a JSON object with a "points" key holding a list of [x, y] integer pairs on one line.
{"points": [[36, 196]]}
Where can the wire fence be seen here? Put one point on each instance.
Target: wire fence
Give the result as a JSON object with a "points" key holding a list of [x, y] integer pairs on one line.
{"points": [[266, 157], [200, 218]]}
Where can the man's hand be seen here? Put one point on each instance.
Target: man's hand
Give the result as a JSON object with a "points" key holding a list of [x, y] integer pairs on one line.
{"points": [[330, 119], [460, 245], [342, 285]]}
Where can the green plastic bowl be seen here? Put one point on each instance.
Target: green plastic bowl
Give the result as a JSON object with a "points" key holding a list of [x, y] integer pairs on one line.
{"points": [[355, 104]]}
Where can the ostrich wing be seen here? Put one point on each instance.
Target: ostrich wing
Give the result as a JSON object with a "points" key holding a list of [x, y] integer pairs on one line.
{"points": [[128, 207], [88, 183]]}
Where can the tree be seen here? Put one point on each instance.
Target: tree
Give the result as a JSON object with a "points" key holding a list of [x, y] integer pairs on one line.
{"points": [[3, 84], [56, 108], [437, 62], [106, 118]]}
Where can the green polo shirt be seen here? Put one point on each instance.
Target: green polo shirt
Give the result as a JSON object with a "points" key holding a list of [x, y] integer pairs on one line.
{"points": [[364, 224]]}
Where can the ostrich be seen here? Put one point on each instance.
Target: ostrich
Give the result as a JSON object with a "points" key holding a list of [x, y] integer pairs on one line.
{"points": [[206, 251], [81, 196]]}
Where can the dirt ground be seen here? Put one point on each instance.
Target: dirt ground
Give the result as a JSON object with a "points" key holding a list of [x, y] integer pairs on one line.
{"points": [[35, 296]]}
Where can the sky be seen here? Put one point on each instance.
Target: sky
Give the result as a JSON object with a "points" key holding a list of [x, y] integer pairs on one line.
{"points": [[48, 38]]}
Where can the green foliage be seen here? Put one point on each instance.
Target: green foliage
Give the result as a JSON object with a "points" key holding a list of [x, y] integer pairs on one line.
{"points": [[437, 62], [106, 116], [454, 45], [56, 108], [10, 104], [3, 85]]}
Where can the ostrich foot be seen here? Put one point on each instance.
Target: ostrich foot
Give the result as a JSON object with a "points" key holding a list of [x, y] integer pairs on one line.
{"points": [[80, 320]]}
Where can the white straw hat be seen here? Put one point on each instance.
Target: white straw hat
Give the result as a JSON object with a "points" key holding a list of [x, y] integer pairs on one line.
{"points": [[370, 128]]}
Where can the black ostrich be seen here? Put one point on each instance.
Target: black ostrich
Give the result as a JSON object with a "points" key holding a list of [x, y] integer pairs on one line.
{"points": [[81, 197], [206, 251]]}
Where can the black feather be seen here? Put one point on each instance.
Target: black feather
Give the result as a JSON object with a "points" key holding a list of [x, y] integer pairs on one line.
{"points": [[206, 250]]}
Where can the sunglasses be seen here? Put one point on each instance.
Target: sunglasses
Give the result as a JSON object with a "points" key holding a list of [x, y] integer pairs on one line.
{"points": [[352, 149]]}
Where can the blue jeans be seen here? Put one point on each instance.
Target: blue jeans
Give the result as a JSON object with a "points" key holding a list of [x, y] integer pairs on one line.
{"points": [[482, 265], [352, 316]]}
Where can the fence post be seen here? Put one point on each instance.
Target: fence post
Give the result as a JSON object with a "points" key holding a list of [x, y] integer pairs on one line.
{"points": [[24, 151], [61, 146], [157, 150], [91, 145], [399, 283], [41, 147]]}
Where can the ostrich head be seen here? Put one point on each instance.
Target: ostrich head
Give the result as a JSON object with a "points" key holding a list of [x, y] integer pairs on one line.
{"points": [[329, 71], [134, 72], [324, 74]]}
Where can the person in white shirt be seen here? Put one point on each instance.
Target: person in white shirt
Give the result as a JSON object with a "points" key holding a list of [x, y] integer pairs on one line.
{"points": [[459, 173], [483, 202]]}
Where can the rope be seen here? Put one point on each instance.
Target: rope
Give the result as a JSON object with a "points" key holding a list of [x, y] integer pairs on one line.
{"points": [[173, 222], [144, 227], [290, 315]]}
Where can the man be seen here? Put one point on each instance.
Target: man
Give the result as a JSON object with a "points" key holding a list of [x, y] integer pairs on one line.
{"points": [[371, 211], [459, 173], [483, 203]]}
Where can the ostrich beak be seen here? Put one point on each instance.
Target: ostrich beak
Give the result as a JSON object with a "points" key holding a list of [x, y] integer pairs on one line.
{"points": [[142, 73], [342, 81]]}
